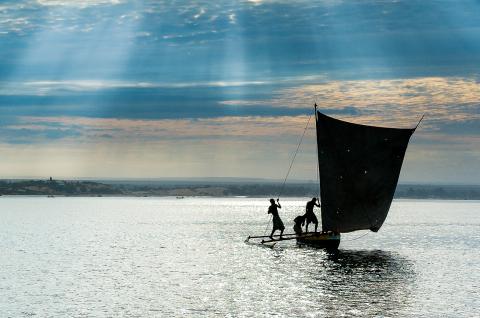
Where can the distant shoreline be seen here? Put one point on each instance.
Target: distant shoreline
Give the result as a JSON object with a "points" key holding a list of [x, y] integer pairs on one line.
{"points": [[206, 196], [73, 188]]}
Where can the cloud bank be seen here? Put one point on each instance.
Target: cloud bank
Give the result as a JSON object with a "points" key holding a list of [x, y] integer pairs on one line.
{"points": [[183, 84]]}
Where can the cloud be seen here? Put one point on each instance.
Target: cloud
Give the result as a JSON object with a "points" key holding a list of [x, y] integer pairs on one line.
{"points": [[278, 130], [37, 134], [92, 72], [389, 102], [196, 41], [76, 18], [78, 3], [252, 146], [145, 148], [54, 87], [393, 102], [128, 130], [50, 87]]}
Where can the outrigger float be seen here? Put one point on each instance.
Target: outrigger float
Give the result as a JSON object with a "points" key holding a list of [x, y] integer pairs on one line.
{"points": [[358, 166]]}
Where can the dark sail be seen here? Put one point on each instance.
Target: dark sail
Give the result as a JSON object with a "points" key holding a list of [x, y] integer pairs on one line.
{"points": [[359, 168]]}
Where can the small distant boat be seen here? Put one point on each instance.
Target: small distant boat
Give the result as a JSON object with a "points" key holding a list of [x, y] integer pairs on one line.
{"points": [[359, 166], [180, 197]]}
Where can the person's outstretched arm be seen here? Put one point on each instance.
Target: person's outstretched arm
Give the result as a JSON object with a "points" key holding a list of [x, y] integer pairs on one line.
{"points": [[278, 204]]}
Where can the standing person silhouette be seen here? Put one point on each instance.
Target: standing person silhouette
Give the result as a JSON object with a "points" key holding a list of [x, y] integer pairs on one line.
{"points": [[277, 222], [309, 215]]}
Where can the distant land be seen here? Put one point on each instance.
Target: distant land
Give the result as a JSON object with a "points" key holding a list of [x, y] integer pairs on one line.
{"points": [[214, 187]]}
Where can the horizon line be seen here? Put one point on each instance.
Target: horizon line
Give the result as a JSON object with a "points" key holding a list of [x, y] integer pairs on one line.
{"points": [[212, 180]]}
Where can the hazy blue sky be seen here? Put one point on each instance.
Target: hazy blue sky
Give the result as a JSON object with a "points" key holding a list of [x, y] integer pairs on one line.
{"points": [[112, 88]]}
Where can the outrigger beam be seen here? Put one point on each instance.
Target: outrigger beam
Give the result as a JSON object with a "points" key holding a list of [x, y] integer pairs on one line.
{"points": [[264, 236], [290, 236], [281, 239]]}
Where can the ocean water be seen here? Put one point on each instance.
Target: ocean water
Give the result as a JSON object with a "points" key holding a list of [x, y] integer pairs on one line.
{"points": [[165, 257]]}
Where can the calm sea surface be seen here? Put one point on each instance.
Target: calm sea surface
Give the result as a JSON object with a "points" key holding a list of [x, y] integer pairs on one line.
{"points": [[164, 257]]}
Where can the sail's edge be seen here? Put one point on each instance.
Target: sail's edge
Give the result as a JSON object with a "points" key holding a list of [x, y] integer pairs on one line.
{"points": [[359, 168], [320, 114]]}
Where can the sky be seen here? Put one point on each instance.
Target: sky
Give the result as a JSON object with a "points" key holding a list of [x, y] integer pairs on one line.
{"points": [[179, 89]]}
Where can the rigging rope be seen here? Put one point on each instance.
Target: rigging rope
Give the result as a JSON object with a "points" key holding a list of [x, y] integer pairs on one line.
{"points": [[294, 156], [266, 226], [357, 237], [290, 168]]}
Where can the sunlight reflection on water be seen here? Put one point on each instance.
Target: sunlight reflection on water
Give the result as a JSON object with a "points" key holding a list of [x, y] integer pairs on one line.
{"points": [[162, 257]]}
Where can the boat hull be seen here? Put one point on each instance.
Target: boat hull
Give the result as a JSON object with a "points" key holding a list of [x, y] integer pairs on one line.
{"points": [[329, 241]]}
